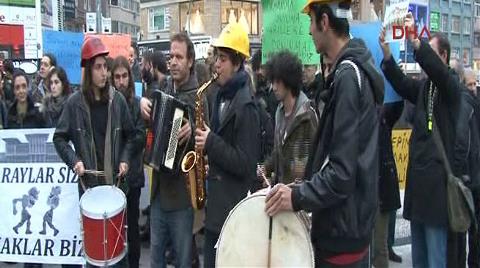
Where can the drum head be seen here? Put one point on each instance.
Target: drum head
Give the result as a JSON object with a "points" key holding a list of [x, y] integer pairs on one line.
{"points": [[102, 201], [244, 238]]}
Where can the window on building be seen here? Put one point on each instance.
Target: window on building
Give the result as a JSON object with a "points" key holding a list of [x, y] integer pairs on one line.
{"points": [[195, 23], [477, 10], [158, 19], [114, 2], [455, 24], [476, 40], [467, 1], [114, 26], [467, 24], [466, 56], [245, 13], [455, 53], [445, 27]]}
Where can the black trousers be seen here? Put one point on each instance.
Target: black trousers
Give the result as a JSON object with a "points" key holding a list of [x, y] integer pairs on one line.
{"points": [[209, 251], [133, 231]]}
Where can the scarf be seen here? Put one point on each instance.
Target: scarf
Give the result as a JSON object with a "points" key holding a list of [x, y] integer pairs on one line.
{"points": [[228, 92], [53, 106]]}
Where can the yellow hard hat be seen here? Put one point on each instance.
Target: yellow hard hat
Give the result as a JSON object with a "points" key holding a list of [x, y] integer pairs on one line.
{"points": [[306, 8], [235, 37], [334, 4]]}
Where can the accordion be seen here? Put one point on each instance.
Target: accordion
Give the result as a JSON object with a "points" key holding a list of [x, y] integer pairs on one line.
{"points": [[162, 139]]}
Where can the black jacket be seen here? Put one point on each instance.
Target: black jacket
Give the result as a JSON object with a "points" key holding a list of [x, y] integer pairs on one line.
{"points": [[388, 188], [466, 158], [171, 186], [425, 192], [33, 118], [135, 176], [3, 115], [233, 150], [75, 126], [341, 177]]}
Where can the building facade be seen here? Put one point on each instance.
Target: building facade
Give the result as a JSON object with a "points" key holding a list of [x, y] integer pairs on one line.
{"points": [[476, 35], [124, 15], [456, 19], [161, 18]]}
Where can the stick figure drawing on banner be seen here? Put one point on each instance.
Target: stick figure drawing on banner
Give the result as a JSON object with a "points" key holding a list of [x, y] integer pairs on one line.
{"points": [[53, 201], [28, 201]]}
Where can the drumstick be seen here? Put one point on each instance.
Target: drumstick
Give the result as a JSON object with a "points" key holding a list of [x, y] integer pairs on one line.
{"points": [[269, 242], [95, 172], [270, 227], [264, 177]]}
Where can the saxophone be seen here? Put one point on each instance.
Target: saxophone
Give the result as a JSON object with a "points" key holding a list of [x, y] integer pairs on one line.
{"points": [[193, 163]]}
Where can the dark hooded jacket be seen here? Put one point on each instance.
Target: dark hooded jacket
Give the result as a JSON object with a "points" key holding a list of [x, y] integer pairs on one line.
{"points": [[341, 177]]}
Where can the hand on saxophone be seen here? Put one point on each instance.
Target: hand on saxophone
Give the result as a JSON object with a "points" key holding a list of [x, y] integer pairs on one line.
{"points": [[201, 137]]}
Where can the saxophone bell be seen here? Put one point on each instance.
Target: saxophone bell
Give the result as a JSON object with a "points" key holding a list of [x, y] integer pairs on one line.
{"points": [[189, 161]]}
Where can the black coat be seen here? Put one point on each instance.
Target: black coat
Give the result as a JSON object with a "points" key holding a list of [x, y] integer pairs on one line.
{"points": [[33, 118], [341, 177], [466, 158], [75, 126], [425, 193], [135, 176], [389, 192], [233, 150]]}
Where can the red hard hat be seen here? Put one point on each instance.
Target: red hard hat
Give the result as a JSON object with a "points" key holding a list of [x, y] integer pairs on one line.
{"points": [[91, 48]]}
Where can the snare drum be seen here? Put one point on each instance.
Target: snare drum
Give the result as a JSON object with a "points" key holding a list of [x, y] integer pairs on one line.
{"points": [[244, 240], [103, 210]]}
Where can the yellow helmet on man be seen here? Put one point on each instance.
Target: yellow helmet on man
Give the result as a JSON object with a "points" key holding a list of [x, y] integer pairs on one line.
{"points": [[234, 37], [340, 8]]}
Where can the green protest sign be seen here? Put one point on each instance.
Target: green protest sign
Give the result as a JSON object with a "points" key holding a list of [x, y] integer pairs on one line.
{"points": [[434, 21], [20, 3], [285, 27]]}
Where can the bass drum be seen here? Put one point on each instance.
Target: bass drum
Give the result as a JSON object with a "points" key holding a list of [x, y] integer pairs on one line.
{"points": [[244, 238]]}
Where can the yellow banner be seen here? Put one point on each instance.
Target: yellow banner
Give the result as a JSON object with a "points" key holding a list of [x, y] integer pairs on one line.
{"points": [[400, 142]]}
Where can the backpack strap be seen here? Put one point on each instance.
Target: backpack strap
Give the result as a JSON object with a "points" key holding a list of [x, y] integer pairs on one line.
{"points": [[357, 71]]}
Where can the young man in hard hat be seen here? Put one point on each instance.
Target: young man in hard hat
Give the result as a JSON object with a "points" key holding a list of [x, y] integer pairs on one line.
{"points": [[232, 141], [97, 121], [341, 177]]}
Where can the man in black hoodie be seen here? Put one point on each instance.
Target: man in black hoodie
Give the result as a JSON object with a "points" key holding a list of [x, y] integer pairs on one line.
{"points": [[341, 176], [438, 96]]}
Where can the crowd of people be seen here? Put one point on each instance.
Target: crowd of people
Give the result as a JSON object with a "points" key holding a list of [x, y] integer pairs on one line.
{"points": [[321, 135]]}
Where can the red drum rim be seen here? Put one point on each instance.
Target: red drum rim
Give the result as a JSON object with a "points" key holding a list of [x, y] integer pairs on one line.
{"points": [[103, 263]]}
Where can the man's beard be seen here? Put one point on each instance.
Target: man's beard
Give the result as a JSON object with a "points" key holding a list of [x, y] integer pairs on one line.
{"points": [[123, 90]]}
